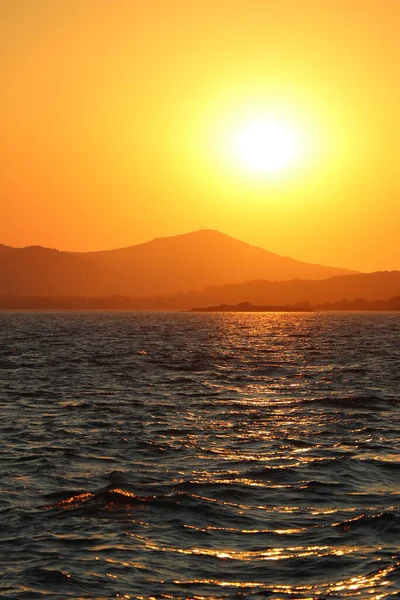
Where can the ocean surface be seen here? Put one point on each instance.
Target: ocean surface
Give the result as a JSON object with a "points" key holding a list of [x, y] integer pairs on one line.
{"points": [[176, 456]]}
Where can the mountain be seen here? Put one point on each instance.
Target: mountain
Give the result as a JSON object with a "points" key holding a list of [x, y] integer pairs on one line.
{"points": [[163, 266], [198, 259]]}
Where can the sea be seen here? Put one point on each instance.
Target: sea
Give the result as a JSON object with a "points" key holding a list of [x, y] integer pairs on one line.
{"points": [[199, 456]]}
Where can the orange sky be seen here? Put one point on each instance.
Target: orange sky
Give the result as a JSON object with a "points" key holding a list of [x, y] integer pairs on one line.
{"points": [[116, 119]]}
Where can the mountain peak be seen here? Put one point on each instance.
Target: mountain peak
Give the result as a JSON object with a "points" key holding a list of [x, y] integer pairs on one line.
{"points": [[198, 236]]}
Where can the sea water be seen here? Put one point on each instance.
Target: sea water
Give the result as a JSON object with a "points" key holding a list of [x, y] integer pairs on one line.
{"points": [[172, 455]]}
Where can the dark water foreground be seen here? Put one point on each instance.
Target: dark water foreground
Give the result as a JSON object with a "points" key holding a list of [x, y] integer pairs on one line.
{"points": [[199, 456]]}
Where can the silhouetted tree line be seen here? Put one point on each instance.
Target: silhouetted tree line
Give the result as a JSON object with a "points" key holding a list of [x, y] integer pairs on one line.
{"points": [[75, 303], [361, 304], [119, 302]]}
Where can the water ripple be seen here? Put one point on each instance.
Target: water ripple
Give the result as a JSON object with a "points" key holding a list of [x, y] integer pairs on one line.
{"points": [[199, 455]]}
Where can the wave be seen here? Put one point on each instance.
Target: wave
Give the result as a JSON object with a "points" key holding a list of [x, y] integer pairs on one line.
{"points": [[274, 474], [386, 522], [105, 500], [121, 502], [356, 401]]}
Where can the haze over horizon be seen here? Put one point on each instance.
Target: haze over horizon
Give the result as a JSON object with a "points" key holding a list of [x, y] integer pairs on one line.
{"points": [[275, 123]]}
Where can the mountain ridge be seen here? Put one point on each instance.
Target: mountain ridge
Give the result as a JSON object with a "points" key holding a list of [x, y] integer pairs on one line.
{"points": [[174, 264]]}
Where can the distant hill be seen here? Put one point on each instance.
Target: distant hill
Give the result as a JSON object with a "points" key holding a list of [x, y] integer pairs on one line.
{"points": [[163, 266], [45, 272], [369, 286], [369, 291]]}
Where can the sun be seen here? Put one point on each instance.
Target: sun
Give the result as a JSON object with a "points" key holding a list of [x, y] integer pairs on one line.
{"points": [[266, 145]]}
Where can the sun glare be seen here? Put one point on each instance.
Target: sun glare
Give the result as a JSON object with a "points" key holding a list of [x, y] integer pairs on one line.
{"points": [[266, 145]]}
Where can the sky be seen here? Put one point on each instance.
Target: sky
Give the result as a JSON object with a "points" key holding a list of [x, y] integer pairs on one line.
{"points": [[123, 120]]}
